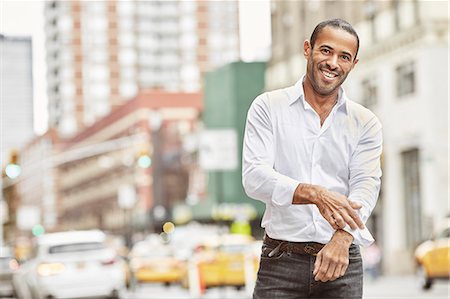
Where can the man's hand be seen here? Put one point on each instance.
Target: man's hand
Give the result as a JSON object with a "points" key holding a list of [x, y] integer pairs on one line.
{"points": [[332, 261], [337, 209]]}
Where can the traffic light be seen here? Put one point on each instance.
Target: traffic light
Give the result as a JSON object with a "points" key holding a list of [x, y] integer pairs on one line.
{"points": [[37, 230], [13, 168], [144, 160]]}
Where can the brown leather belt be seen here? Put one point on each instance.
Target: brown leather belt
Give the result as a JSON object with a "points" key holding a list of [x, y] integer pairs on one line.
{"points": [[311, 248]]}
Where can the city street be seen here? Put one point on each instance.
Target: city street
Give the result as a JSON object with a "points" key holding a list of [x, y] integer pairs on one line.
{"points": [[385, 287], [391, 287]]}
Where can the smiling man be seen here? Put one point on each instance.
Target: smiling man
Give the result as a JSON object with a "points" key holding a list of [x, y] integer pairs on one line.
{"points": [[313, 157]]}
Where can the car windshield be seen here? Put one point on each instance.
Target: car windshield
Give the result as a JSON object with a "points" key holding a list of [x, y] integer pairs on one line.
{"points": [[76, 247], [146, 249], [444, 234]]}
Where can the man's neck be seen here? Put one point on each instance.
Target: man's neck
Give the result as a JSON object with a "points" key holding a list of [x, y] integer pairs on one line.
{"points": [[316, 100]]}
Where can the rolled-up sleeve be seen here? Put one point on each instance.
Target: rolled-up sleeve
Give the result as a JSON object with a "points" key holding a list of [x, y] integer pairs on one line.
{"points": [[259, 178], [365, 176]]}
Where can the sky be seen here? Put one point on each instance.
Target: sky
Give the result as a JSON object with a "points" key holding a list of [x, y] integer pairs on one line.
{"points": [[25, 18]]}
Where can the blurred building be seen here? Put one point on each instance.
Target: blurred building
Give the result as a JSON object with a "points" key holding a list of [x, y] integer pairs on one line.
{"points": [[36, 191], [402, 76], [292, 23], [129, 168], [16, 119], [16, 93], [229, 91], [101, 53]]}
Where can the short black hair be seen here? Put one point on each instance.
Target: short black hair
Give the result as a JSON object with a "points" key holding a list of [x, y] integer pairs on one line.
{"points": [[335, 23]]}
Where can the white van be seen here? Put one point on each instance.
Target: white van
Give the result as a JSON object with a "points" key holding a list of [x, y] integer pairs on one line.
{"points": [[74, 264]]}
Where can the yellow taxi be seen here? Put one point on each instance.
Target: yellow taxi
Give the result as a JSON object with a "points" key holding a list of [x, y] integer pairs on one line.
{"points": [[150, 262], [433, 257], [227, 260]]}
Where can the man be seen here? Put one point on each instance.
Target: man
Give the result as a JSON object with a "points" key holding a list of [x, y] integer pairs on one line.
{"points": [[313, 157]]}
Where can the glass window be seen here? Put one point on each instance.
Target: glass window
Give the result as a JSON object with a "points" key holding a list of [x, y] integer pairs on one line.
{"points": [[412, 195], [77, 247], [98, 56], [128, 89], [405, 79], [126, 39], [125, 8], [127, 57], [65, 23], [67, 89], [369, 92], [98, 23], [98, 73], [99, 91]]}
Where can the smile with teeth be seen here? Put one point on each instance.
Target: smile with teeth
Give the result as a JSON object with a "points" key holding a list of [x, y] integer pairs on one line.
{"points": [[329, 75]]}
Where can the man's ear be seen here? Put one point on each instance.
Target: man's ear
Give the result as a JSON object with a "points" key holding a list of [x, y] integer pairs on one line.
{"points": [[355, 62], [306, 48]]}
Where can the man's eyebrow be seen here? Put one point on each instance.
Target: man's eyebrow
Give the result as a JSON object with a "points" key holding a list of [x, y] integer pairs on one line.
{"points": [[331, 48]]}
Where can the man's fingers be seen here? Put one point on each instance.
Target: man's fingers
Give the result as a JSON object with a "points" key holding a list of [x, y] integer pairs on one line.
{"points": [[353, 220], [355, 205], [337, 272], [332, 221], [340, 222], [317, 264], [344, 269], [349, 220]]}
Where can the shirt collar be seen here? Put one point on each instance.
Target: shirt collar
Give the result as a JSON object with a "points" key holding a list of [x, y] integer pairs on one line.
{"points": [[296, 92]]}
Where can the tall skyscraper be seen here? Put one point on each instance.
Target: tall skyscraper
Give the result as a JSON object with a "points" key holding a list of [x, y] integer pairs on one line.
{"points": [[100, 53], [16, 93]]}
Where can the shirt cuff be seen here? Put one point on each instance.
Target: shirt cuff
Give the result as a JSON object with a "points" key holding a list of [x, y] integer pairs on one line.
{"points": [[283, 193], [361, 237]]}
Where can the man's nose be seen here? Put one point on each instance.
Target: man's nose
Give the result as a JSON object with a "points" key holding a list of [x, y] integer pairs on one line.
{"points": [[333, 62]]}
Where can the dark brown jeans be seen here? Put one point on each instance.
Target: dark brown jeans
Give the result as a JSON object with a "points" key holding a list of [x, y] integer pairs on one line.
{"points": [[288, 275]]}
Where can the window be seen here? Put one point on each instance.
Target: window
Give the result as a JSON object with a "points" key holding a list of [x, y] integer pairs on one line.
{"points": [[369, 92], [412, 196], [405, 79], [396, 6]]}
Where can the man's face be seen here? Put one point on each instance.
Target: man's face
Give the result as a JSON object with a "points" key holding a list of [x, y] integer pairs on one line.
{"points": [[331, 59]]}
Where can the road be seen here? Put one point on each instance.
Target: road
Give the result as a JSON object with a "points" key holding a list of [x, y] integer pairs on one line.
{"points": [[391, 287]]}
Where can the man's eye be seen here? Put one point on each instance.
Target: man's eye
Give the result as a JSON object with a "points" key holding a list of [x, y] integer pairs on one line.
{"points": [[325, 51], [345, 57]]}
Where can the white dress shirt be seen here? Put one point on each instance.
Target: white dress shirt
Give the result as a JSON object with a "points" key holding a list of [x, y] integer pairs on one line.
{"points": [[284, 145]]}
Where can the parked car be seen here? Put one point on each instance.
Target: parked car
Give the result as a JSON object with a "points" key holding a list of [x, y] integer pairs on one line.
{"points": [[153, 261], [75, 264], [8, 265], [433, 257], [222, 260]]}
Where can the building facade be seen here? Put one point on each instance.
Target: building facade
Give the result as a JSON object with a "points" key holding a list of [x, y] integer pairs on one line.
{"points": [[128, 169], [402, 76], [101, 53], [16, 93], [229, 92], [36, 186]]}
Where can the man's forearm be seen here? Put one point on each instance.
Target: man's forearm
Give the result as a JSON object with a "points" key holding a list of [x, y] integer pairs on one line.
{"points": [[336, 208], [306, 194], [342, 237]]}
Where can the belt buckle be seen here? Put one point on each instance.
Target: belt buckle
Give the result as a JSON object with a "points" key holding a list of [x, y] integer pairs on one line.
{"points": [[310, 249]]}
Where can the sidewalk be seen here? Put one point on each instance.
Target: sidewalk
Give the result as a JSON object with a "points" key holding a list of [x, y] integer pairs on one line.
{"points": [[403, 287]]}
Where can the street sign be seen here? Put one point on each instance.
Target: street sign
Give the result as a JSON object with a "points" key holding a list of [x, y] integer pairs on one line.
{"points": [[27, 217], [218, 149], [126, 196]]}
